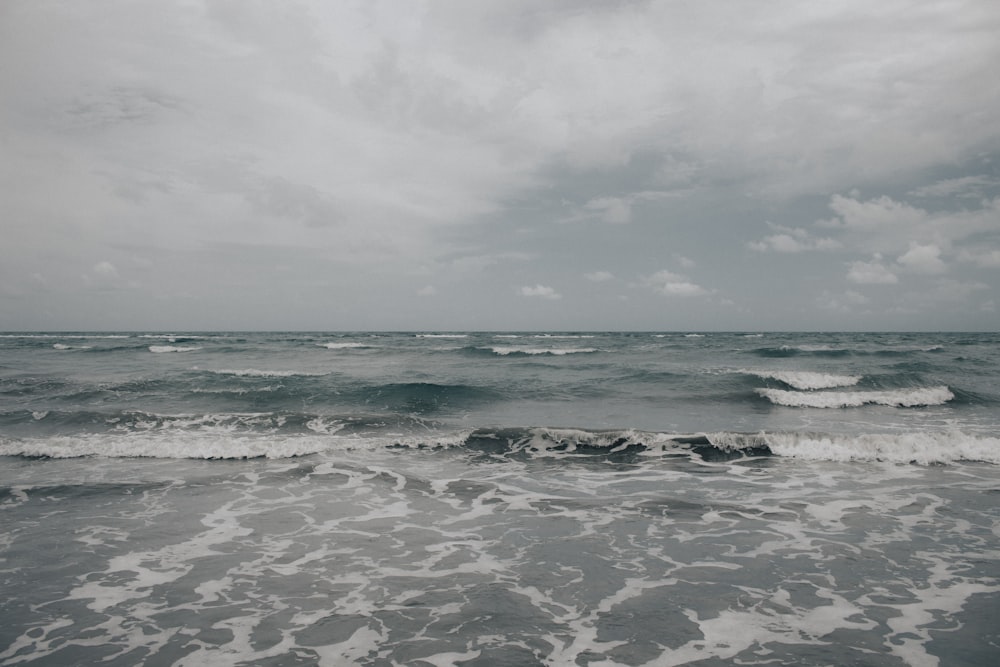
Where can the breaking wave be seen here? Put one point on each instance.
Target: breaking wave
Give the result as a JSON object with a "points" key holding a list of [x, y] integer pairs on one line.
{"points": [[806, 380], [900, 398], [213, 437]]}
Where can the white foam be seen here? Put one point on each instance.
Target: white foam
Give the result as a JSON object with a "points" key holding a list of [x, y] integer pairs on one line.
{"points": [[343, 346], [159, 349], [253, 372], [504, 350], [899, 398], [442, 335], [563, 336], [805, 379], [812, 348], [61, 346], [924, 448], [222, 442]]}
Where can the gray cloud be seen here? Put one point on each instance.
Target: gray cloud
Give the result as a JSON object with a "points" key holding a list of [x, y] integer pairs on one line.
{"points": [[298, 148]]}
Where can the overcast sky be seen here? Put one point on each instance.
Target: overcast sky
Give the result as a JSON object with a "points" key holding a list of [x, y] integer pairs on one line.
{"points": [[507, 164]]}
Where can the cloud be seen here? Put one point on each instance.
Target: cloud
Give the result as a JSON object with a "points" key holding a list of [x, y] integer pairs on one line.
{"points": [[599, 276], [845, 302], [871, 273], [540, 291], [427, 290], [922, 259], [668, 283], [105, 269], [987, 259], [791, 240], [614, 210], [873, 214], [971, 187]]}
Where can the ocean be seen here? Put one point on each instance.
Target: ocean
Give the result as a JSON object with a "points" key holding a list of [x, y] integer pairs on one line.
{"points": [[489, 499]]}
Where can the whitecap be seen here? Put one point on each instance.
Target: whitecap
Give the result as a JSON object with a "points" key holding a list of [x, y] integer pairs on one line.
{"points": [[899, 398], [253, 372], [925, 448], [343, 346], [805, 379], [504, 350], [159, 349]]}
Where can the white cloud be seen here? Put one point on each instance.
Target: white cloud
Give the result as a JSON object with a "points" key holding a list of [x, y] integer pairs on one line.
{"points": [[599, 276], [871, 273], [540, 291], [791, 240], [685, 262], [427, 290], [922, 259], [668, 283], [105, 269], [873, 214], [613, 210]]}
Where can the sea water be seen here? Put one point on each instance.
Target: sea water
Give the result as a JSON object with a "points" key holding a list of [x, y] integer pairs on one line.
{"points": [[499, 499]]}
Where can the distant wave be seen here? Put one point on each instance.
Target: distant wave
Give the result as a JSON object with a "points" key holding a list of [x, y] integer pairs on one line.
{"points": [[841, 351], [160, 349], [343, 346], [506, 350], [442, 335], [562, 336], [806, 380], [325, 435], [61, 346], [253, 372], [900, 398], [794, 350]]}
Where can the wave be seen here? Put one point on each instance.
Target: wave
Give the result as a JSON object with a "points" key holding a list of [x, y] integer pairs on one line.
{"points": [[442, 335], [900, 398], [160, 349], [834, 351], [344, 346], [253, 372], [628, 445], [509, 350], [796, 350], [562, 336], [806, 380], [62, 346]]}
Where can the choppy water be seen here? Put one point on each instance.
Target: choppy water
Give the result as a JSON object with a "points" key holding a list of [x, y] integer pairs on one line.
{"points": [[500, 499]]}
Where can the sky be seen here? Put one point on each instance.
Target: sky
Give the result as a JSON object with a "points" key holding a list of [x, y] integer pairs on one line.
{"points": [[499, 165]]}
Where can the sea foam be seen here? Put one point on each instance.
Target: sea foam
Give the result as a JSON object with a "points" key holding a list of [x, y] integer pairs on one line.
{"points": [[805, 379], [504, 350], [899, 398], [925, 448]]}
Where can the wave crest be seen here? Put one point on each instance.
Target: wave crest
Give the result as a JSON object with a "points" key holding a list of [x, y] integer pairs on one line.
{"points": [[806, 380], [899, 398]]}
